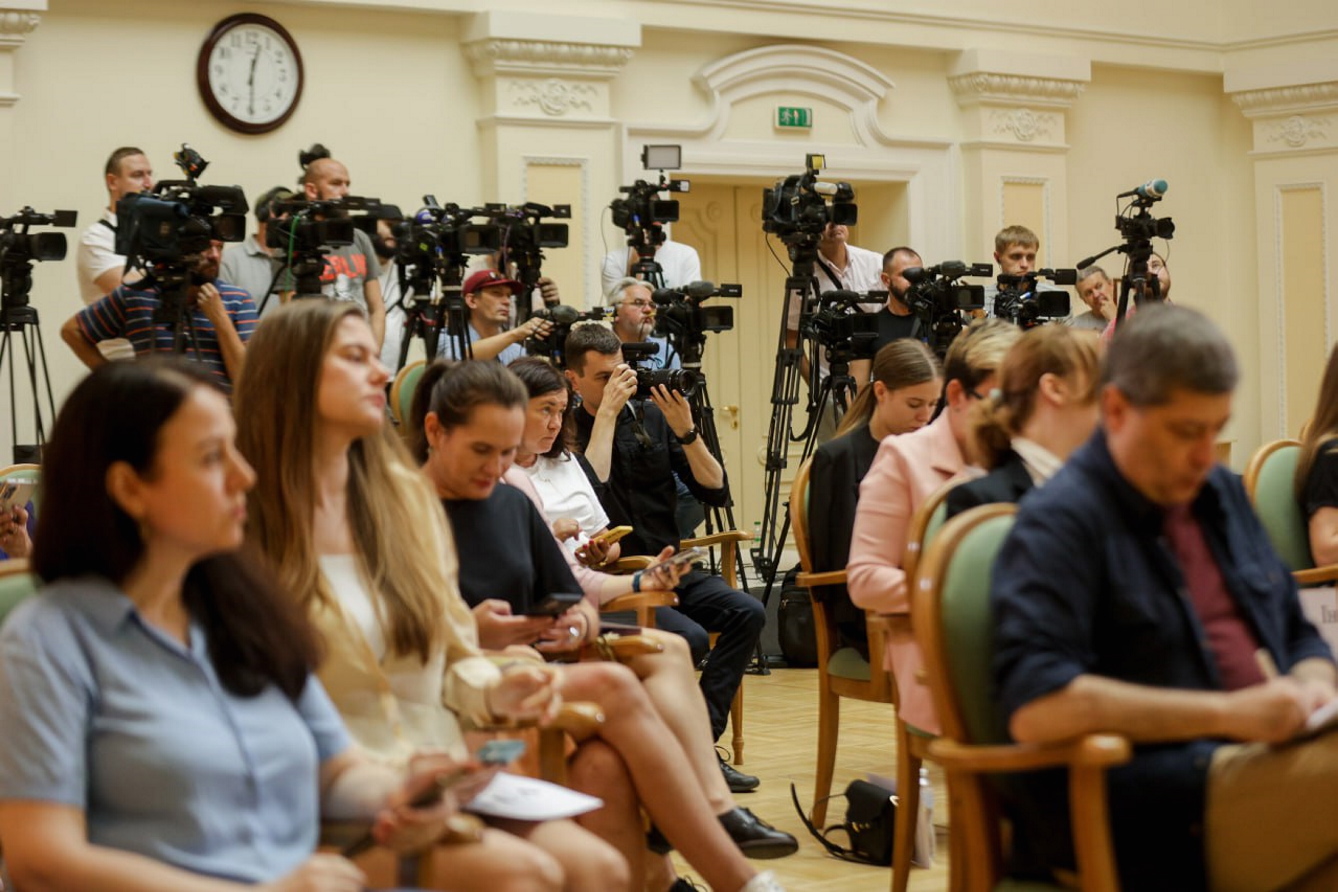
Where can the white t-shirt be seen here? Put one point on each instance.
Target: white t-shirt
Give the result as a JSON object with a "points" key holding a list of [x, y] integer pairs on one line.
{"points": [[566, 492], [390, 293], [96, 255], [680, 264], [341, 574], [863, 272]]}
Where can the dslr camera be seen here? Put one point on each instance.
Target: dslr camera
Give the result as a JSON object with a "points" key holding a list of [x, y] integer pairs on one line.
{"points": [[685, 381]]}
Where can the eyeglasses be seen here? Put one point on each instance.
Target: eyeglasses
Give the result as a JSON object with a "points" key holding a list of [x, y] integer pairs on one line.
{"points": [[640, 303]]}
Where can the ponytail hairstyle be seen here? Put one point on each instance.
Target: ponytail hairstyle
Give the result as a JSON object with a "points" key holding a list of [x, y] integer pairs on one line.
{"points": [[398, 528], [541, 378], [1057, 350], [897, 365], [452, 390], [1323, 426]]}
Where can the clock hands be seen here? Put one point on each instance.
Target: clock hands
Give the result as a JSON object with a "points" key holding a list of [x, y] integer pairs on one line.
{"points": [[251, 81]]}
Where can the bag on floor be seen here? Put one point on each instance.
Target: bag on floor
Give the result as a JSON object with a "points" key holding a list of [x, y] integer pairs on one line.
{"points": [[871, 814]]}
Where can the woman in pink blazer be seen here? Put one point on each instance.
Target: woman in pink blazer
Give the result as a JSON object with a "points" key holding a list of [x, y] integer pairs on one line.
{"points": [[907, 469]]}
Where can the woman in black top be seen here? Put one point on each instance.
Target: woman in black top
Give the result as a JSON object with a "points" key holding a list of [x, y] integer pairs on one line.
{"points": [[900, 399], [1044, 408], [1317, 470]]}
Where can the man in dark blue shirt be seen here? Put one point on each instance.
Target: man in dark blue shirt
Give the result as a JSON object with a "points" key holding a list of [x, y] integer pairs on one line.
{"points": [[1138, 594]]}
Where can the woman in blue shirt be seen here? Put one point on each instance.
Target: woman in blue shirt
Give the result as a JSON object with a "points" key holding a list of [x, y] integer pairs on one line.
{"points": [[162, 726]]}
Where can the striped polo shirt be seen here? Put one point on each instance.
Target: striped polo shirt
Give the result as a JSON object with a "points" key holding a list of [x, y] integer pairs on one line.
{"points": [[128, 313]]}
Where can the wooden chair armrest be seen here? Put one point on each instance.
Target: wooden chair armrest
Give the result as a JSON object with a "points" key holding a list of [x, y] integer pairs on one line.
{"points": [[639, 599], [615, 647], [887, 622], [1316, 575], [339, 835], [1092, 751], [715, 539], [578, 718], [826, 577], [629, 564]]}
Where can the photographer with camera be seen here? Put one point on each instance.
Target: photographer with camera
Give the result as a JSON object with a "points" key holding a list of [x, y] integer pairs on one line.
{"points": [[895, 319], [1015, 249], [634, 447], [488, 294], [98, 267], [222, 318], [840, 266], [251, 264], [633, 320], [351, 271]]}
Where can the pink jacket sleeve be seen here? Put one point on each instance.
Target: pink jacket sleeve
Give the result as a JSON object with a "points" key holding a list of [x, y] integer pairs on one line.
{"points": [[876, 580]]}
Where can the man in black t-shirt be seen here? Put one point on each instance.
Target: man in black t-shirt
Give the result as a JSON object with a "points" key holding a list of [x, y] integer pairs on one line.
{"points": [[895, 319], [634, 449]]}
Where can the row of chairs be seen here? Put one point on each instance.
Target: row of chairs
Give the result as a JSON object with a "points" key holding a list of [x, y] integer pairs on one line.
{"points": [[948, 565]]}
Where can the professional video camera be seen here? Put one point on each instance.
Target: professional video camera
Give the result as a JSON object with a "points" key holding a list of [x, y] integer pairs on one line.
{"points": [[305, 230], [19, 248], [799, 207], [562, 318], [178, 220], [642, 214], [522, 236], [681, 318], [1137, 227], [1020, 303], [938, 299], [839, 325], [685, 381]]}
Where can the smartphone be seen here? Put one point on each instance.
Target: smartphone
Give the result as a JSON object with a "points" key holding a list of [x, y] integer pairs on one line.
{"points": [[692, 555], [500, 752], [429, 797], [15, 493], [555, 604], [611, 535]]}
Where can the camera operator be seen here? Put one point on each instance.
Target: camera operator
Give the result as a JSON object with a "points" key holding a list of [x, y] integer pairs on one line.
{"points": [[386, 244], [1157, 269], [488, 294], [632, 449], [1015, 250], [1097, 291], [222, 317], [98, 267], [679, 264], [250, 264], [895, 319], [351, 271], [634, 318]]}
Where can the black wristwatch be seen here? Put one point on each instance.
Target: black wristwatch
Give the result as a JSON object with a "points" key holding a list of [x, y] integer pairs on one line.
{"points": [[689, 437]]}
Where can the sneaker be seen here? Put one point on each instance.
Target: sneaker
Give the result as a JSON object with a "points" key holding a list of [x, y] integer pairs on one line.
{"points": [[763, 882], [755, 837], [738, 781]]}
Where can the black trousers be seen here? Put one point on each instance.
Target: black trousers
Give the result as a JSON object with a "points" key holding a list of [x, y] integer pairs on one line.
{"points": [[707, 604]]}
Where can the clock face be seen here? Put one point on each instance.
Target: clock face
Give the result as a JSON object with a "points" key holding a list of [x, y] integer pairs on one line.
{"points": [[250, 73]]}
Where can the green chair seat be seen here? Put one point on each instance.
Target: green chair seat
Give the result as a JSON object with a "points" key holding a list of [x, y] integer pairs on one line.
{"points": [[847, 663], [1275, 503]]}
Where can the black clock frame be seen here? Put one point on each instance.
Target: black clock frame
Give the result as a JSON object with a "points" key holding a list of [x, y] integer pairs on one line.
{"points": [[220, 30]]}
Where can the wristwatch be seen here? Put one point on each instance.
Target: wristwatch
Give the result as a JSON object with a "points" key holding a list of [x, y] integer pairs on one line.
{"points": [[689, 437]]}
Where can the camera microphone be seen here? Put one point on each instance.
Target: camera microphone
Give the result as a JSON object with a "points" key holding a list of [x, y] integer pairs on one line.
{"points": [[1152, 190], [823, 188]]}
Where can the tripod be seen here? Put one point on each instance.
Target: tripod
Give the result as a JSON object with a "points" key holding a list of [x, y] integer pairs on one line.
{"points": [[428, 315], [22, 319]]}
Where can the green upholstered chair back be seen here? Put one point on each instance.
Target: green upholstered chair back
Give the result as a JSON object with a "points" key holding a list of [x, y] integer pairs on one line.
{"points": [[936, 521], [408, 383], [1274, 498], [15, 587], [967, 628]]}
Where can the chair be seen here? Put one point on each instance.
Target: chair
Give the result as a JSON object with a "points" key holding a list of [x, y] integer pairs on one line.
{"points": [[644, 603], [925, 524], [17, 583], [842, 671], [402, 390], [1270, 482], [951, 614]]}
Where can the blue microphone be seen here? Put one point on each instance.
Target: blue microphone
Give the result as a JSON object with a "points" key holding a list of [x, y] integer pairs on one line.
{"points": [[1152, 190]]}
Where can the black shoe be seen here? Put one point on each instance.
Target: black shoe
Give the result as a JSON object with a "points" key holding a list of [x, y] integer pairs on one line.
{"points": [[755, 837], [682, 885], [738, 781], [657, 842]]}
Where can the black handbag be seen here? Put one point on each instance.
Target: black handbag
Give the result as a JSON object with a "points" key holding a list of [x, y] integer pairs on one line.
{"points": [[871, 813]]}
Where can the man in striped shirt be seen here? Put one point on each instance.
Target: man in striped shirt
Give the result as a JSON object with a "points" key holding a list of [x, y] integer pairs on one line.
{"points": [[222, 317]]}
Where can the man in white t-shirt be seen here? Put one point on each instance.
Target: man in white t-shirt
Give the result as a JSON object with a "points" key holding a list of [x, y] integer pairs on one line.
{"points": [[97, 265], [679, 265]]}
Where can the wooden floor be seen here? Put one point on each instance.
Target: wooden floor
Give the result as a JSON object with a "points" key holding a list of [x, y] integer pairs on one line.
{"points": [[781, 737]]}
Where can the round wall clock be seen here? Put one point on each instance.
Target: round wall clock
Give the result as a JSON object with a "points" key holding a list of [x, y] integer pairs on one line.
{"points": [[250, 73]]}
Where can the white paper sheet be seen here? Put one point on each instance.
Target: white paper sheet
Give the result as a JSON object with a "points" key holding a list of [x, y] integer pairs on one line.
{"points": [[526, 799]]}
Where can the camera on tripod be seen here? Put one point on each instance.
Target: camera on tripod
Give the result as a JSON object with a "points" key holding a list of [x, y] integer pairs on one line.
{"points": [[19, 248], [679, 312], [799, 207], [1021, 303], [521, 226], [299, 226], [685, 381], [938, 299], [178, 219], [562, 318], [842, 327], [642, 213]]}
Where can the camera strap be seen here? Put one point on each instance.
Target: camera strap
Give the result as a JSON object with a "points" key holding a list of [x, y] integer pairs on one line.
{"points": [[107, 223], [832, 274]]}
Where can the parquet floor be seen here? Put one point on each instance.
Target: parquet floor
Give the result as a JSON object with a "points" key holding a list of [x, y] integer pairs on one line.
{"points": [[781, 737]]}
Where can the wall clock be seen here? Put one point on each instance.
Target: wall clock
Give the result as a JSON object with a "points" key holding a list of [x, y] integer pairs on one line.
{"points": [[250, 73]]}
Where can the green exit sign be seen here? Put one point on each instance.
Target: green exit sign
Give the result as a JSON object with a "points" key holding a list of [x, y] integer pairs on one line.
{"points": [[792, 116]]}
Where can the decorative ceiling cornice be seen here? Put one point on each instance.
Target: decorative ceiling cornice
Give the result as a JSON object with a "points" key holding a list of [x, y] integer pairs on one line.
{"points": [[496, 54], [1280, 100], [986, 86]]}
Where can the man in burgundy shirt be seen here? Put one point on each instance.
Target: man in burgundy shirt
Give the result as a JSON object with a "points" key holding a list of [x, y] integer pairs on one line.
{"points": [[1138, 594]]}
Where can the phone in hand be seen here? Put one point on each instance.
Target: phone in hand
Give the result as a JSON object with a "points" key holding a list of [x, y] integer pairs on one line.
{"points": [[611, 535], [555, 604], [688, 556], [500, 752], [429, 797]]}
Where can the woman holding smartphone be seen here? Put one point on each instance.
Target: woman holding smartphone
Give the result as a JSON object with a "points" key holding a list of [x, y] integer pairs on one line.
{"points": [[404, 665], [163, 726]]}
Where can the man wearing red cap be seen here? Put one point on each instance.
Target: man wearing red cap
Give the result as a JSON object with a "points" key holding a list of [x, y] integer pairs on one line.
{"points": [[488, 294]]}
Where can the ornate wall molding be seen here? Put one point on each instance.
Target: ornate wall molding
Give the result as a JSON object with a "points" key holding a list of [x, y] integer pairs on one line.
{"points": [[17, 24], [1024, 125], [1278, 100], [985, 86], [554, 97], [496, 55], [1298, 130]]}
